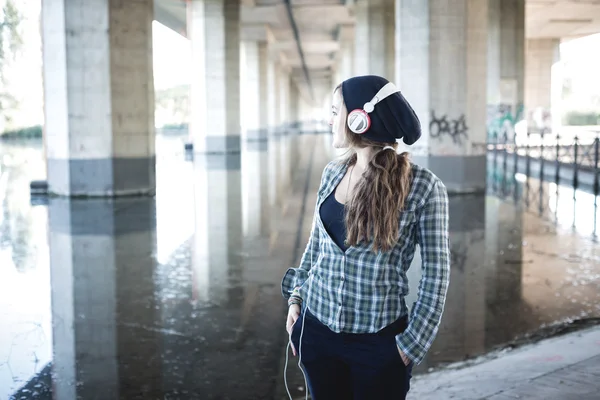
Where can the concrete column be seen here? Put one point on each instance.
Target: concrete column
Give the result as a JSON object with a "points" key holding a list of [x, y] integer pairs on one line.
{"points": [[103, 297], [284, 88], [304, 109], [374, 38], [274, 138], [441, 68], [294, 118], [345, 66], [543, 83], [215, 93], [99, 97], [294, 102], [506, 70], [285, 138], [254, 90], [255, 123]]}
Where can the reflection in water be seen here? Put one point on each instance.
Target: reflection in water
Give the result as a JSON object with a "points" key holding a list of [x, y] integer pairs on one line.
{"points": [[561, 202], [174, 197], [217, 241], [18, 222], [255, 190], [104, 308], [178, 296], [25, 309]]}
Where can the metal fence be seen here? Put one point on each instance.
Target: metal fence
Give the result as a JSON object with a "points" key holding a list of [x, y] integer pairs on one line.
{"points": [[534, 167], [568, 159]]}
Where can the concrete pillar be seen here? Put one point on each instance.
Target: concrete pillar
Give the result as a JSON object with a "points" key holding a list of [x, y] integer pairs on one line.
{"points": [[294, 118], [103, 298], [285, 165], [345, 65], [274, 138], [284, 88], [345, 68], [99, 97], [506, 70], [294, 102], [254, 90], [543, 83], [215, 92], [374, 38], [441, 68], [255, 123]]}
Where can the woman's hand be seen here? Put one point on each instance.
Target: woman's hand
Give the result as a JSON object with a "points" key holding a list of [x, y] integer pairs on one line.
{"points": [[293, 314], [405, 359]]}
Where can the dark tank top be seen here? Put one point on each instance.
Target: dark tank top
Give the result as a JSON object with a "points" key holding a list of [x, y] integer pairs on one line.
{"points": [[332, 215]]}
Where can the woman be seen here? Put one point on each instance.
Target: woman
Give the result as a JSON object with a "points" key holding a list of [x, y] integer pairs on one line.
{"points": [[347, 313]]}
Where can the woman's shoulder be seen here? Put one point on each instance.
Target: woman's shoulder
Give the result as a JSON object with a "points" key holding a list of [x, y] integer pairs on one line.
{"points": [[331, 169], [423, 173], [424, 181]]}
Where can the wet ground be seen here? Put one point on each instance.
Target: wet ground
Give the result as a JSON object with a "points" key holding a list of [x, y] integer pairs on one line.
{"points": [[177, 297]]}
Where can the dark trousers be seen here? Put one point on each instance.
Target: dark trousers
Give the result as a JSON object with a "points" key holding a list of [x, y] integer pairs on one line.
{"points": [[349, 366]]}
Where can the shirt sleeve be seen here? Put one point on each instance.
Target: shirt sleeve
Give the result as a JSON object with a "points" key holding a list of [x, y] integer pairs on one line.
{"points": [[295, 277], [433, 238]]}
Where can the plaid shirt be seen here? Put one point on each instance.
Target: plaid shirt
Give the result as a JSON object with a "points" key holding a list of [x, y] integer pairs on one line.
{"points": [[359, 291]]}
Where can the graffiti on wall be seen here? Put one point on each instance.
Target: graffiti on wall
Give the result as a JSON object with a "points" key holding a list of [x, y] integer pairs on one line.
{"points": [[541, 118], [502, 120], [443, 126]]}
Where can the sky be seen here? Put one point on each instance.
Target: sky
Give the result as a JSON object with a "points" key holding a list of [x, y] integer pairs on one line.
{"points": [[581, 62]]}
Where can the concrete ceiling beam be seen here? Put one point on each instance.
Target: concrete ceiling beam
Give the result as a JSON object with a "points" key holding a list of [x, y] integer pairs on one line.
{"points": [[318, 47]]}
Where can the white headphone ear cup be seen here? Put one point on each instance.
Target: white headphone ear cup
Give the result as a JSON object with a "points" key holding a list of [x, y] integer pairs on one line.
{"points": [[358, 121]]}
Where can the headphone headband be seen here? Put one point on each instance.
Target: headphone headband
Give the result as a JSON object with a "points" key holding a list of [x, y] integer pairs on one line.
{"points": [[358, 120], [386, 91]]}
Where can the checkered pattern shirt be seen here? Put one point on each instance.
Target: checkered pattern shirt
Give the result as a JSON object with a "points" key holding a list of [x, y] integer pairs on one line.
{"points": [[359, 291]]}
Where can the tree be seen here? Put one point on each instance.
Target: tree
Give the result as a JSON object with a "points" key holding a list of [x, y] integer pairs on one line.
{"points": [[10, 43]]}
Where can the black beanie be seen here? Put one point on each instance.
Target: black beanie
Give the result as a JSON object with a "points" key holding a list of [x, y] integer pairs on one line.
{"points": [[393, 118]]}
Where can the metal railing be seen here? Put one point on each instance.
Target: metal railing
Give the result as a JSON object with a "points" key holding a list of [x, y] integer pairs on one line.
{"points": [[562, 159], [531, 168]]}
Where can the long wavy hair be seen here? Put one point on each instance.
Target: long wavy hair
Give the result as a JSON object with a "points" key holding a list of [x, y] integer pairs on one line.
{"points": [[373, 212]]}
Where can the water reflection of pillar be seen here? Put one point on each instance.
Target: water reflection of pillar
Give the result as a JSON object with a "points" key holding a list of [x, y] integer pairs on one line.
{"points": [[462, 330], [503, 267], [103, 304], [218, 234], [255, 190]]}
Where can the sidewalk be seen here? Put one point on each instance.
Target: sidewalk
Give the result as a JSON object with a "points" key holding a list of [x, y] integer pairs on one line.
{"points": [[564, 367]]}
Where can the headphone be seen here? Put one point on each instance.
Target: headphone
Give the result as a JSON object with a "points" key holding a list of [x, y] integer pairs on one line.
{"points": [[358, 120]]}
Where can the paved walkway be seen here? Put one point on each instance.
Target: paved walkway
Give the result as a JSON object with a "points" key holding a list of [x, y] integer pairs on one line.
{"points": [[565, 367]]}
